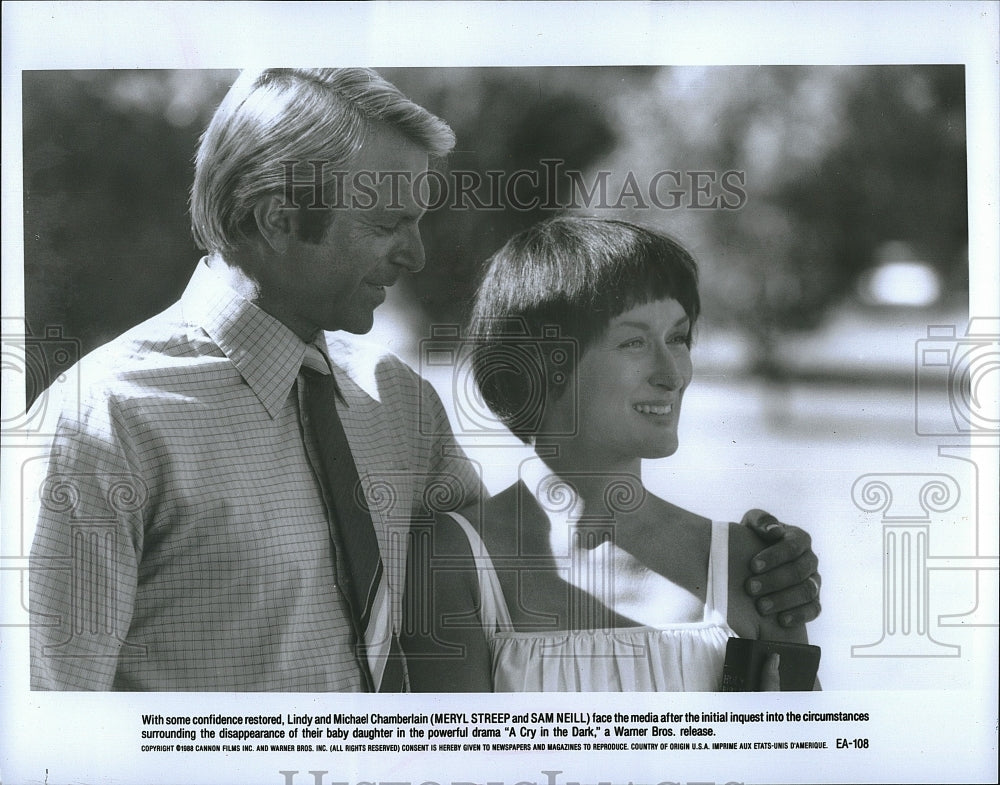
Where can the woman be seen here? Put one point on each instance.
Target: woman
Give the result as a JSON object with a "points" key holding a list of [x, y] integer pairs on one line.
{"points": [[576, 578]]}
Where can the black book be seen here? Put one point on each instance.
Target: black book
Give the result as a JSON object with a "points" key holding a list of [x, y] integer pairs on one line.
{"points": [[745, 658]]}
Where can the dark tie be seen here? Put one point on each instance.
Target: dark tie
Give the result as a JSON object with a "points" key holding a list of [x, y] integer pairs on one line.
{"points": [[367, 590]]}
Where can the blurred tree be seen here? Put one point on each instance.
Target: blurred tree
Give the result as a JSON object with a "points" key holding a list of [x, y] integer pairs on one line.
{"points": [[837, 161], [108, 159]]}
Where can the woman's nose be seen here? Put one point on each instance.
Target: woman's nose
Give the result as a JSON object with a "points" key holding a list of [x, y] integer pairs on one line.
{"points": [[672, 368]]}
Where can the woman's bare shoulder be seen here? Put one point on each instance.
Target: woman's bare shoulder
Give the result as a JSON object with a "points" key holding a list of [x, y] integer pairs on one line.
{"points": [[507, 520], [663, 515], [449, 539], [488, 518]]}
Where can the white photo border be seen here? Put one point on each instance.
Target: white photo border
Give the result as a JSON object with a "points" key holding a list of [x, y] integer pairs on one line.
{"points": [[915, 735]]}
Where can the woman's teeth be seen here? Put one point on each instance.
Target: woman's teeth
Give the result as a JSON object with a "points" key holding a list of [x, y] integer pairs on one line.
{"points": [[646, 408]]}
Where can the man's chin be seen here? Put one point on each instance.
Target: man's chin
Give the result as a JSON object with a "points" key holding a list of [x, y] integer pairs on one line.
{"points": [[358, 325]]}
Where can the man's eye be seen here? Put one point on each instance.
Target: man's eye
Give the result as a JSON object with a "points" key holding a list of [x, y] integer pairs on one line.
{"points": [[383, 225]]}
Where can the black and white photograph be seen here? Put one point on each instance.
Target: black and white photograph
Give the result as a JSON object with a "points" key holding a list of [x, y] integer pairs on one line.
{"points": [[651, 362]]}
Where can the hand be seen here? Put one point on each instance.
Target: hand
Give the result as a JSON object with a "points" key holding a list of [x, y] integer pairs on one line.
{"points": [[784, 581], [770, 674]]}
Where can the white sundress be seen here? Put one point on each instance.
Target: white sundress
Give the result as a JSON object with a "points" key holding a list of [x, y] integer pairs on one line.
{"points": [[681, 657]]}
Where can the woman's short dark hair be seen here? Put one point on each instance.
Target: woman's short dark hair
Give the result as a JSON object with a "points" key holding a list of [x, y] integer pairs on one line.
{"points": [[551, 291]]}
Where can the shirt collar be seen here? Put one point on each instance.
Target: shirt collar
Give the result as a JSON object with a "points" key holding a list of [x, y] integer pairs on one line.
{"points": [[316, 358], [267, 354]]}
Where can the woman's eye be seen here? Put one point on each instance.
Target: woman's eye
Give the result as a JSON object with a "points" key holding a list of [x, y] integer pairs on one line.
{"points": [[679, 338], [632, 343]]}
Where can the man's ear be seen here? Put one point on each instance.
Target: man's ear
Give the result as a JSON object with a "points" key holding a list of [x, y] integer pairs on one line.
{"points": [[275, 222]]}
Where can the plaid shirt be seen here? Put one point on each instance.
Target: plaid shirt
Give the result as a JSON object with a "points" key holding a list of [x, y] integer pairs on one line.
{"points": [[182, 541]]}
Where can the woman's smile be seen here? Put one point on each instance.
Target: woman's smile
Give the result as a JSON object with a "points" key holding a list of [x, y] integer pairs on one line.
{"points": [[656, 409]]}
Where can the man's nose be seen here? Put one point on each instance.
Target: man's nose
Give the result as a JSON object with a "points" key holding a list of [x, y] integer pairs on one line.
{"points": [[411, 251]]}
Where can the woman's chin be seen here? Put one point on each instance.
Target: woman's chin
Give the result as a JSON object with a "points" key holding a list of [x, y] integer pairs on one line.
{"points": [[660, 450]]}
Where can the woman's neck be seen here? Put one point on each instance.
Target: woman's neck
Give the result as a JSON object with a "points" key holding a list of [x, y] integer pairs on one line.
{"points": [[604, 488]]}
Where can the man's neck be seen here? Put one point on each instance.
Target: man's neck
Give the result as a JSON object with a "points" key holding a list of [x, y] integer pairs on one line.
{"points": [[239, 274], [236, 277]]}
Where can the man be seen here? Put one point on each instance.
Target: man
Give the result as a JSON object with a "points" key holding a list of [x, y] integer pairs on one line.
{"points": [[194, 532]]}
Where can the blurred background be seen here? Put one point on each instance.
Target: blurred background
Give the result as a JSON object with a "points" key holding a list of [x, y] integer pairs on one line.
{"points": [[839, 237], [853, 182]]}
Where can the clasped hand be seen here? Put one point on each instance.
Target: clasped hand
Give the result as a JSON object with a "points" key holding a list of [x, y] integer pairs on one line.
{"points": [[784, 580]]}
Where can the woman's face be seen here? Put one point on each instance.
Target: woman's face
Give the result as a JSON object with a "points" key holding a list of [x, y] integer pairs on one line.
{"points": [[629, 385]]}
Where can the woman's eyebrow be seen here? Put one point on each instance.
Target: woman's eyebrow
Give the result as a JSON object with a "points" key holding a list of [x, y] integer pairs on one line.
{"points": [[645, 326]]}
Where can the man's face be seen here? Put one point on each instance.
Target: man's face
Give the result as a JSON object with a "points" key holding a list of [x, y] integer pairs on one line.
{"points": [[371, 241]]}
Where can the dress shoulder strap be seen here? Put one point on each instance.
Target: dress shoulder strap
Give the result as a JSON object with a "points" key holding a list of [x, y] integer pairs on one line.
{"points": [[493, 612], [717, 596]]}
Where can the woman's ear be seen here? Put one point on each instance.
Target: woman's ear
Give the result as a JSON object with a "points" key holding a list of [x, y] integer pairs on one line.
{"points": [[275, 222]]}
